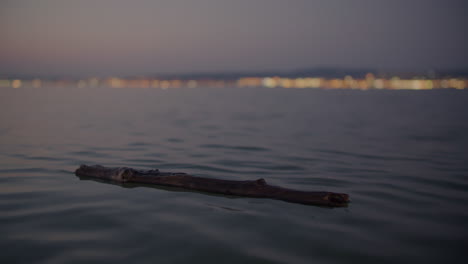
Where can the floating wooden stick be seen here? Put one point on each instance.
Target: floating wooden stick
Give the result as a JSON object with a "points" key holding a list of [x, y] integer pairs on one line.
{"points": [[257, 188]]}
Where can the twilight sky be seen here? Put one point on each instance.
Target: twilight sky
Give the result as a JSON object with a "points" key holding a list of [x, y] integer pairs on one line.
{"points": [[126, 37]]}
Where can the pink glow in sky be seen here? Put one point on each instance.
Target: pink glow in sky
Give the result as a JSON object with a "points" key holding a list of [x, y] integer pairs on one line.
{"points": [[112, 37]]}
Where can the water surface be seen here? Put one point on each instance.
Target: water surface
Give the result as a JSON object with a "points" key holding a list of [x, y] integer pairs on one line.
{"points": [[401, 155]]}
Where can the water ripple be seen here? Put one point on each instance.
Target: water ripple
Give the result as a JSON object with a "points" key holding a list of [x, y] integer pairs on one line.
{"points": [[406, 175], [240, 148]]}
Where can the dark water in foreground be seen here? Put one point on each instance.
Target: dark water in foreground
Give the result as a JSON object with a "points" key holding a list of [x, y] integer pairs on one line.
{"points": [[401, 155]]}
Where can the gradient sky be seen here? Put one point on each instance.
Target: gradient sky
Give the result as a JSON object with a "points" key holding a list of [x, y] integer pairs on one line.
{"points": [[117, 37]]}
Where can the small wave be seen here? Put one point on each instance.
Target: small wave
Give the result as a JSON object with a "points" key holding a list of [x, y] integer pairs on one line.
{"points": [[243, 148], [138, 144], [28, 170], [194, 166], [149, 161], [318, 182], [258, 165], [175, 140], [45, 158], [372, 157], [90, 154], [451, 137]]}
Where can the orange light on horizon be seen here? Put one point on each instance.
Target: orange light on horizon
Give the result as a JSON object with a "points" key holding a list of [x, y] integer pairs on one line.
{"points": [[155, 83], [286, 83], [300, 83], [249, 82], [348, 82], [115, 82], [313, 82], [165, 84], [175, 83], [16, 83]]}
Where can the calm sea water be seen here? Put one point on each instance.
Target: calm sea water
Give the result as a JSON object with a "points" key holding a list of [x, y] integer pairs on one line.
{"points": [[401, 155]]}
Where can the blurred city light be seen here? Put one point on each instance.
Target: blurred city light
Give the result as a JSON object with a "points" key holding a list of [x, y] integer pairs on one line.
{"points": [[348, 82]]}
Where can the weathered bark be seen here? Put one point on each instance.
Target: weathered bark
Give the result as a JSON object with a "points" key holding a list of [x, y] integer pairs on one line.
{"points": [[257, 188]]}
